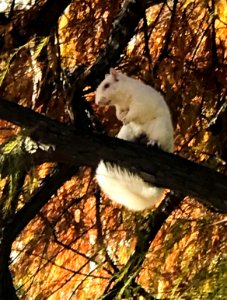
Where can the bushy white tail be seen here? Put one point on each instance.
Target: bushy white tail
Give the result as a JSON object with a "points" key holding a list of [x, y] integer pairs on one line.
{"points": [[126, 188]]}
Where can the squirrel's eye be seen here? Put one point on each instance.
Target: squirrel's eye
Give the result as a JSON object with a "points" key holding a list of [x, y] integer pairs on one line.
{"points": [[106, 86]]}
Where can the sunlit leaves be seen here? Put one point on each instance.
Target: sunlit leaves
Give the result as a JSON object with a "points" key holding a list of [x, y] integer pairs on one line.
{"points": [[80, 239]]}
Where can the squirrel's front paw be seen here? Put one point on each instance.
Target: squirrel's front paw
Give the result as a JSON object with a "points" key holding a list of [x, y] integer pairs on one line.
{"points": [[143, 139], [154, 143], [122, 115]]}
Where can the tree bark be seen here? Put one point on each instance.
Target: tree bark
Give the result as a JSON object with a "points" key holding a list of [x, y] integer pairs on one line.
{"points": [[157, 167]]}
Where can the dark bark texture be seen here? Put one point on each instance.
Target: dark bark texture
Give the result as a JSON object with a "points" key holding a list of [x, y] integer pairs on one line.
{"points": [[70, 146]]}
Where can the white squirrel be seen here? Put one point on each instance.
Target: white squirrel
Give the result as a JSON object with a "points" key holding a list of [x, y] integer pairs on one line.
{"points": [[144, 114]]}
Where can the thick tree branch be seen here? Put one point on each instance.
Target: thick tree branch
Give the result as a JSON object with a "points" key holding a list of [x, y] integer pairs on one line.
{"points": [[70, 146]]}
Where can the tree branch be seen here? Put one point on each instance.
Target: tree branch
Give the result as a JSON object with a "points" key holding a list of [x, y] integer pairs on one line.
{"points": [[123, 30], [21, 219], [157, 167], [36, 21], [126, 276], [167, 39]]}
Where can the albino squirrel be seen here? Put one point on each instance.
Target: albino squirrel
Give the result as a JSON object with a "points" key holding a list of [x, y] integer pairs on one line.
{"points": [[145, 116]]}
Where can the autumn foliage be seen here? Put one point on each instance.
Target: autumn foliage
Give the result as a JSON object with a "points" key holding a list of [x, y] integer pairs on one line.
{"points": [[79, 244]]}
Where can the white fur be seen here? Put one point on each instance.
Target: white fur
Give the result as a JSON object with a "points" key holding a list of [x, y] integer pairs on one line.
{"points": [[126, 188], [142, 110]]}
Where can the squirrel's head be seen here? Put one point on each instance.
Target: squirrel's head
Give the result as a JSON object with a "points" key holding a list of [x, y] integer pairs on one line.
{"points": [[108, 91]]}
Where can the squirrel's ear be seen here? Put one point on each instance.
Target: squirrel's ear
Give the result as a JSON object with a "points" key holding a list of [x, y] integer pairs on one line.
{"points": [[114, 73]]}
